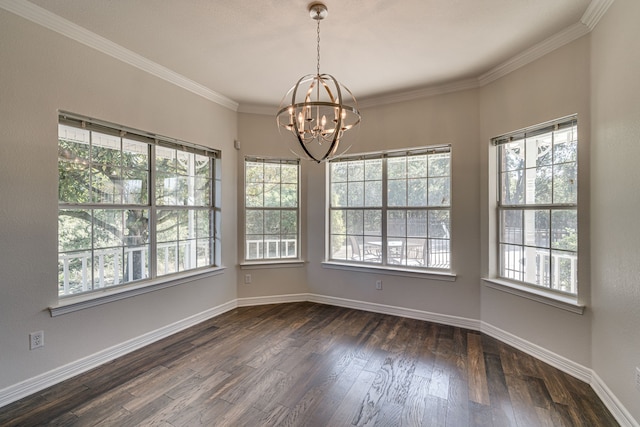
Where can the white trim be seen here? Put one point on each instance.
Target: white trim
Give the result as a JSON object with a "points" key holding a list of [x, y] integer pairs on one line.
{"points": [[272, 299], [552, 43], [391, 271], [57, 375], [80, 34], [619, 412], [555, 300], [445, 319], [107, 295], [595, 11], [272, 264], [562, 363]]}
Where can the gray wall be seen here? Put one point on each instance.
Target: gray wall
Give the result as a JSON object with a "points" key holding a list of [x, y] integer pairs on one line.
{"points": [[615, 200], [41, 72]]}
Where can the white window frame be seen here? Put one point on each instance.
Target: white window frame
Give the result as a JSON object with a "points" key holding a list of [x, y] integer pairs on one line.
{"points": [[377, 250], [210, 262], [540, 259], [261, 247]]}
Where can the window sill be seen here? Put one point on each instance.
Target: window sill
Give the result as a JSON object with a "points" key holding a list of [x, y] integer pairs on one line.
{"points": [[80, 302], [252, 265], [564, 302], [392, 271]]}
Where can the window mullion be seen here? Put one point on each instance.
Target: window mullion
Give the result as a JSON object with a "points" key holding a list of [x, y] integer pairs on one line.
{"points": [[385, 193], [153, 241]]}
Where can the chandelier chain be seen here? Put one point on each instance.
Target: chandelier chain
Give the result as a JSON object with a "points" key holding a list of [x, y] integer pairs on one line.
{"points": [[318, 64]]}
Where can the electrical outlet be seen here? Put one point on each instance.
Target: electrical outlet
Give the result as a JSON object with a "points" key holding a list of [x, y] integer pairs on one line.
{"points": [[378, 284], [637, 378], [36, 340], [247, 279]]}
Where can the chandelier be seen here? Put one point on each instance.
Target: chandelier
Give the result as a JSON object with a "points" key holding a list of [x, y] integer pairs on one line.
{"points": [[318, 113]]}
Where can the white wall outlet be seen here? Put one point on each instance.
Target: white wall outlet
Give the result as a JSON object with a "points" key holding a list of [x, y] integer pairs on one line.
{"points": [[36, 340], [378, 284], [247, 279], [637, 378]]}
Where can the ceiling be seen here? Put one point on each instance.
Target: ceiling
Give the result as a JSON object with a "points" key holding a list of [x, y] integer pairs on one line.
{"points": [[253, 51]]}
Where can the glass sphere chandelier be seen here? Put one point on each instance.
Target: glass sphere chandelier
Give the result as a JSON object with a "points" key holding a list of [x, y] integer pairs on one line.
{"points": [[318, 109]]}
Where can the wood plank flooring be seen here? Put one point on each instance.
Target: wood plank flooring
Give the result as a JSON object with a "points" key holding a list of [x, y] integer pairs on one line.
{"points": [[306, 364]]}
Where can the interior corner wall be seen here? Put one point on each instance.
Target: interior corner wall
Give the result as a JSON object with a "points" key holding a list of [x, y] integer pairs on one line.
{"points": [[615, 200], [551, 87], [258, 136], [42, 72]]}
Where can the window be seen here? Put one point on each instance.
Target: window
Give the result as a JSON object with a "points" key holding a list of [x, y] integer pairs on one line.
{"points": [[131, 206], [537, 206], [271, 209], [391, 209]]}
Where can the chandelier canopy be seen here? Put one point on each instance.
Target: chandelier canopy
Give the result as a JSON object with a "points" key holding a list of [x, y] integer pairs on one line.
{"points": [[318, 109]]}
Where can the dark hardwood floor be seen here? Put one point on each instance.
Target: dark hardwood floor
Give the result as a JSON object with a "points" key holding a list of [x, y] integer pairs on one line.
{"points": [[306, 364]]}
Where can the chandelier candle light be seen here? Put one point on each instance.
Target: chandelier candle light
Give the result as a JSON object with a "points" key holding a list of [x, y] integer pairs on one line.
{"points": [[318, 115]]}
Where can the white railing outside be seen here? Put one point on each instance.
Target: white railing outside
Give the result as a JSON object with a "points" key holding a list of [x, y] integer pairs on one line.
{"points": [[275, 248], [109, 271]]}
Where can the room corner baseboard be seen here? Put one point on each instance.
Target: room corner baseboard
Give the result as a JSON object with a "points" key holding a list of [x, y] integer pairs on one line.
{"points": [[57, 375], [272, 299], [612, 403], [410, 313]]}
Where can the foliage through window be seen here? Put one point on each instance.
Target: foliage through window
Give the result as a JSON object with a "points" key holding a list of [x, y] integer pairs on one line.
{"points": [[537, 205], [130, 207], [271, 209], [392, 209]]}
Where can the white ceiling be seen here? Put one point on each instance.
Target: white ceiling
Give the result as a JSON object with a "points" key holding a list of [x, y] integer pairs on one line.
{"points": [[253, 51]]}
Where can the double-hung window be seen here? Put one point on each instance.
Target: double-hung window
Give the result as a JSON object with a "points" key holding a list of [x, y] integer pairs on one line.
{"points": [[131, 206], [391, 209], [537, 205], [271, 209]]}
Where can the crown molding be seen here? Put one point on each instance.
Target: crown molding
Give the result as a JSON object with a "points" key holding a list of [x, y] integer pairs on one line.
{"points": [[426, 92], [55, 23], [548, 45], [595, 11]]}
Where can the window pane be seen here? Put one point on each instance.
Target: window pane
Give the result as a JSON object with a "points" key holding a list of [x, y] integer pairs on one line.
{"points": [[373, 222], [74, 230], [135, 155], [440, 164], [289, 195], [339, 172], [272, 195], [107, 228], [254, 172], [417, 192], [253, 195], [73, 182], [439, 189], [439, 224], [373, 193], [511, 226], [536, 226], [417, 167], [338, 249], [355, 222], [396, 223], [272, 222], [105, 149], [356, 171], [397, 168], [539, 150], [513, 188], [565, 183], [289, 223], [397, 193], [254, 222], [167, 226], [564, 229], [565, 271], [417, 223], [512, 157], [338, 222], [356, 193], [542, 185], [135, 186], [512, 262], [338, 194], [373, 170]]}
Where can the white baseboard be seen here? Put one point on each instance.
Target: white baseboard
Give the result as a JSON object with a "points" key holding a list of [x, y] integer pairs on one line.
{"points": [[47, 379], [612, 403], [57, 375], [272, 299]]}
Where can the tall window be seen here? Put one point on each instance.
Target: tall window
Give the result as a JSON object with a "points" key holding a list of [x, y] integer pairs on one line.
{"points": [[391, 209], [271, 209], [537, 205], [130, 207]]}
